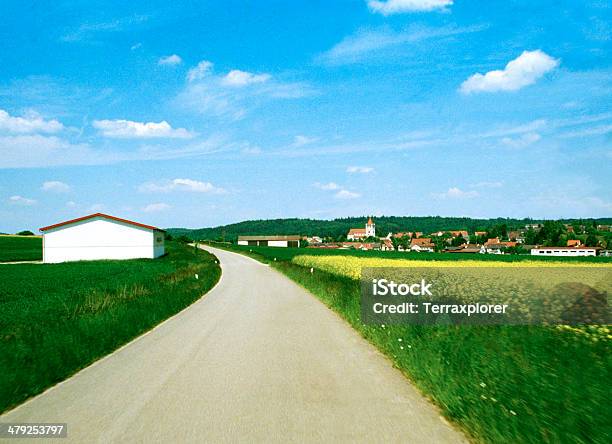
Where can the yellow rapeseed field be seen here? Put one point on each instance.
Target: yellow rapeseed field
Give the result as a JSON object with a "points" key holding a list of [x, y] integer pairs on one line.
{"points": [[351, 266]]}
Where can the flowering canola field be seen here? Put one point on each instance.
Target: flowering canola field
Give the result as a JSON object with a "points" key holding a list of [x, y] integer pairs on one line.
{"points": [[350, 266]]}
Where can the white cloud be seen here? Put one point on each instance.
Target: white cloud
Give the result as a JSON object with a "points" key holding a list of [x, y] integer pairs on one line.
{"points": [[521, 141], [239, 78], [488, 185], [345, 194], [19, 200], [127, 129], [251, 150], [55, 186], [199, 71], [368, 42], [456, 193], [135, 46], [27, 151], [170, 60], [227, 95], [525, 70], [32, 122], [190, 185], [300, 140], [389, 7], [156, 207], [359, 169], [71, 204], [327, 186]]}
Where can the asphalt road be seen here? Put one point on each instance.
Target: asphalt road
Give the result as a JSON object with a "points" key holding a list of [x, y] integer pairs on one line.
{"points": [[257, 359]]}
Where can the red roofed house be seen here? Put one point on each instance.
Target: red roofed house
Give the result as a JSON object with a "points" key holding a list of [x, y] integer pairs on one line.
{"points": [[492, 241], [100, 236], [362, 233], [573, 242], [422, 244], [464, 234]]}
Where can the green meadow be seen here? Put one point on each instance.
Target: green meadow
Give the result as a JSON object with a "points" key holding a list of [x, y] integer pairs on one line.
{"points": [[20, 248], [56, 319]]}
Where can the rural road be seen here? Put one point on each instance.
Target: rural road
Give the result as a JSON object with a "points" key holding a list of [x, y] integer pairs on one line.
{"points": [[258, 359]]}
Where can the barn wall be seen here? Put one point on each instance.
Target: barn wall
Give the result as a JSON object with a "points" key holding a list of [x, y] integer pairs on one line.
{"points": [[159, 246], [95, 239]]}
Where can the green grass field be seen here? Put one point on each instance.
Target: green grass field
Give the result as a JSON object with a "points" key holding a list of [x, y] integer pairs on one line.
{"points": [[58, 318], [510, 384], [20, 248]]}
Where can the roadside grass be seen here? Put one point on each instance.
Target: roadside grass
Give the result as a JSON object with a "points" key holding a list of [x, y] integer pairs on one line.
{"points": [[501, 384], [20, 248], [56, 319]]}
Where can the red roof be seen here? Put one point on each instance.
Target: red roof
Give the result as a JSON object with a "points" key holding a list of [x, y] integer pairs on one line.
{"points": [[105, 216]]}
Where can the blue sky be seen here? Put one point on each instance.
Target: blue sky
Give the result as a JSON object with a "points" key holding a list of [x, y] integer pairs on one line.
{"points": [[183, 114]]}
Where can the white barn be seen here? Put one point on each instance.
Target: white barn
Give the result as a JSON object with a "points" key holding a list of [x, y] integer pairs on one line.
{"points": [[100, 236]]}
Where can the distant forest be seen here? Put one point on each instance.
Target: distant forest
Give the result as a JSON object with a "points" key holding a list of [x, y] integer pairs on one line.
{"points": [[337, 228]]}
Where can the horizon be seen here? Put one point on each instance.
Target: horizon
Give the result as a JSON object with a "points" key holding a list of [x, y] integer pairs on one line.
{"points": [[304, 110]]}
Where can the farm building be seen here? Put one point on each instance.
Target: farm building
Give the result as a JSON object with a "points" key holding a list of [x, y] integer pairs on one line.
{"points": [[270, 241], [564, 251], [100, 236]]}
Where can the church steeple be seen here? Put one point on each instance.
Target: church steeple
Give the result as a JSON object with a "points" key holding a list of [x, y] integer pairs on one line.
{"points": [[370, 228]]}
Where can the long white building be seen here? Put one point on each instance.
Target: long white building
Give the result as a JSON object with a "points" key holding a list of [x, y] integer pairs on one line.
{"points": [[270, 241], [100, 236], [564, 251]]}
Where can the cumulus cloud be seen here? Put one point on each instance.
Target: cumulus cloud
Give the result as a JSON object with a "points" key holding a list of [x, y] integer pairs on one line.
{"points": [[346, 194], [55, 186], [31, 122], [327, 186], [170, 60], [521, 141], [23, 201], [199, 71], [127, 129], [156, 207], [239, 78], [525, 70], [456, 193], [340, 192], [359, 169], [389, 7], [189, 185]]}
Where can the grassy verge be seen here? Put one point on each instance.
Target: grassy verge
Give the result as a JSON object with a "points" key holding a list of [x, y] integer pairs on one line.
{"points": [[518, 384], [57, 319], [20, 248]]}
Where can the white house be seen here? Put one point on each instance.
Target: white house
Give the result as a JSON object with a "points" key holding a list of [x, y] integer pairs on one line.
{"points": [[100, 236], [565, 251], [270, 241]]}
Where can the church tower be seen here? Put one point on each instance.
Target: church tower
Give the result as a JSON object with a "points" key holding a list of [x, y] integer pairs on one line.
{"points": [[370, 228]]}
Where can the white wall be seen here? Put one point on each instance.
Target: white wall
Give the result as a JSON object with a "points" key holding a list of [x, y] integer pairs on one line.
{"points": [[100, 238]]}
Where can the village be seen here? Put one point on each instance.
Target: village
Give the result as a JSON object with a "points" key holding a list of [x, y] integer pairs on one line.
{"points": [[451, 241]]}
